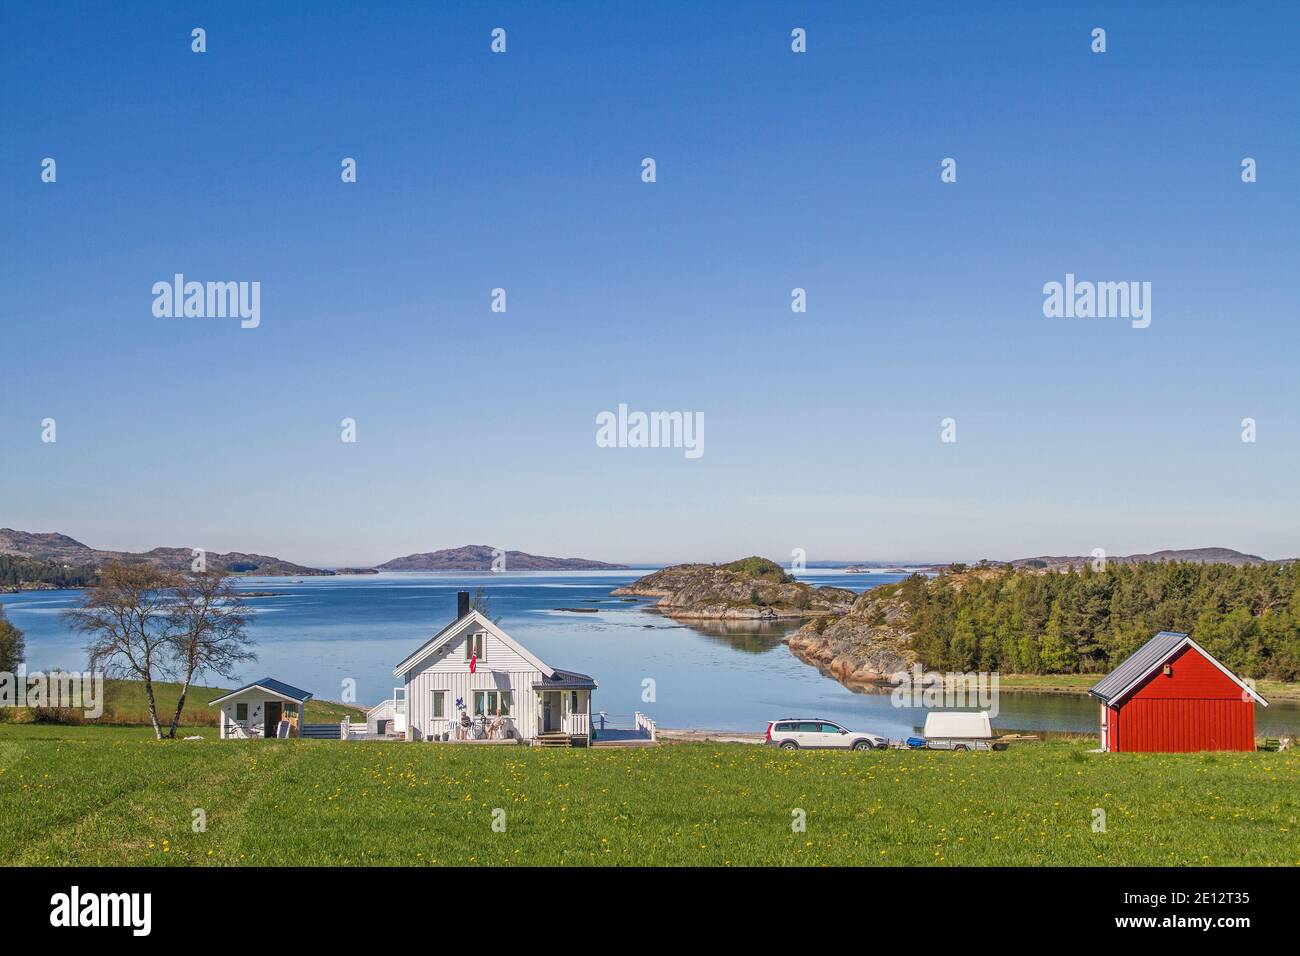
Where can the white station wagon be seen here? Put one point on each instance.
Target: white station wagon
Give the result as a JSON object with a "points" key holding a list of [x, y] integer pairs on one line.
{"points": [[817, 733]]}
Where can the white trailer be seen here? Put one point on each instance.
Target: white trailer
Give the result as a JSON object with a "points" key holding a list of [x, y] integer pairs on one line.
{"points": [[960, 730]]}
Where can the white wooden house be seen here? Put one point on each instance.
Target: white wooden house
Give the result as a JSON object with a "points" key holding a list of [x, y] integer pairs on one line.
{"points": [[472, 680], [258, 709]]}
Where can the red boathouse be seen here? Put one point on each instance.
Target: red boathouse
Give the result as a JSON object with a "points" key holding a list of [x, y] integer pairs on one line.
{"points": [[1172, 696]]}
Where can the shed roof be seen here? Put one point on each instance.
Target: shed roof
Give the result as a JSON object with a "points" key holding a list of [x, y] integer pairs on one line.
{"points": [[1150, 656], [277, 687]]}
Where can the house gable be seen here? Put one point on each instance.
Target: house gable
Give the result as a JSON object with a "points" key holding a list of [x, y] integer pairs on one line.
{"points": [[446, 650], [1194, 673]]}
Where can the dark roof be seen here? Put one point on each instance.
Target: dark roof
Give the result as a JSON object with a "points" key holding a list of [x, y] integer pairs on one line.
{"points": [[1137, 665], [271, 684], [565, 680]]}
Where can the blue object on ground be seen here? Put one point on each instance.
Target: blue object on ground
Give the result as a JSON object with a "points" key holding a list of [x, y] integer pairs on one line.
{"points": [[916, 742]]}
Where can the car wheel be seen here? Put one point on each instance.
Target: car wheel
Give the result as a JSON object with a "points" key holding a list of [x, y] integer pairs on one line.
{"points": [[862, 745], [789, 745]]}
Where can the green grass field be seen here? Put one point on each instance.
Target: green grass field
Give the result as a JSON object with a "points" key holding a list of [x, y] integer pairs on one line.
{"points": [[112, 795]]}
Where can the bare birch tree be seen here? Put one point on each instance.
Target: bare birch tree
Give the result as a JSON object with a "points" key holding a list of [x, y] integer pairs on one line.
{"points": [[125, 616], [205, 632]]}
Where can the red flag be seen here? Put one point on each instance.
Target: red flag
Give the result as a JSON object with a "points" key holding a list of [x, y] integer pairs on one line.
{"points": [[472, 661]]}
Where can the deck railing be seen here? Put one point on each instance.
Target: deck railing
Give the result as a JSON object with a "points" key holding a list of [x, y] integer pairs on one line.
{"points": [[577, 725]]}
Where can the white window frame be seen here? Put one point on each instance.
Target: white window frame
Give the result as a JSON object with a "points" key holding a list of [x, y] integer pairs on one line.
{"points": [[475, 642], [439, 703], [498, 695]]}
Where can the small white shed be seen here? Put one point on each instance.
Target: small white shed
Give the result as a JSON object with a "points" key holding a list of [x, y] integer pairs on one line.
{"points": [[256, 710]]}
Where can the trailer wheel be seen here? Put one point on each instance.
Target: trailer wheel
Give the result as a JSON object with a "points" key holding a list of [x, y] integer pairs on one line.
{"points": [[789, 745], [960, 747]]}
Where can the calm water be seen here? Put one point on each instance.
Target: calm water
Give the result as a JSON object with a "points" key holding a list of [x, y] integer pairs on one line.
{"points": [[318, 631]]}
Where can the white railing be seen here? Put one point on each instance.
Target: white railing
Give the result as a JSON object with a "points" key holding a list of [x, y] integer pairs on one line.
{"points": [[645, 724], [351, 731], [578, 725]]}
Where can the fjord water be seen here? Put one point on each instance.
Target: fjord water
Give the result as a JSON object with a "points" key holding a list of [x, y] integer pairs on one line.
{"points": [[316, 632]]}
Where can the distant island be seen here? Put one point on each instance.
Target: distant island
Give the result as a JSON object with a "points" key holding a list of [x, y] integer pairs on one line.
{"points": [[61, 551], [481, 557], [749, 589], [32, 561]]}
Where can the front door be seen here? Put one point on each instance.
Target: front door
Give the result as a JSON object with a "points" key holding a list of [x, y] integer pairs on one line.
{"points": [[274, 710], [550, 711]]}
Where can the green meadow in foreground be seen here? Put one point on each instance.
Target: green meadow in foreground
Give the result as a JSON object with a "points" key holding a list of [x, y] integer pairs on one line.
{"points": [[112, 795]]}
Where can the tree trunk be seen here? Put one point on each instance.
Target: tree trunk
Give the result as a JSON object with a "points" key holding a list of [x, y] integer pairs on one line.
{"points": [[153, 707], [180, 705]]}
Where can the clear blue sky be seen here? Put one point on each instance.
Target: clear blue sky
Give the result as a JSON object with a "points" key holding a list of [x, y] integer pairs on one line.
{"points": [[775, 170]]}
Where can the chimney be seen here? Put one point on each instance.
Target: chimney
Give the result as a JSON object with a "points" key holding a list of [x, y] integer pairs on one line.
{"points": [[462, 604]]}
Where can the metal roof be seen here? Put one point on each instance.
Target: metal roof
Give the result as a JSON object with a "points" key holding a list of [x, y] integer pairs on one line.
{"points": [[1150, 656], [565, 680], [278, 687], [1136, 666]]}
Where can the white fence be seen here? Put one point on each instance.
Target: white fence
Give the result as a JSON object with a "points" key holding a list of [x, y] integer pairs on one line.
{"points": [[644, 724]]}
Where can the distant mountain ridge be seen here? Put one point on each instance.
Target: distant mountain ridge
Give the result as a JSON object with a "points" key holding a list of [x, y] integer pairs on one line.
{"points": [[1195, 555], [480, 557], [64, 550]]}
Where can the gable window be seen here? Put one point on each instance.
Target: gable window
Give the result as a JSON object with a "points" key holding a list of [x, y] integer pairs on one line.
{"points": [[474, 646], [487, 702], [241, 712], [439, 703]]}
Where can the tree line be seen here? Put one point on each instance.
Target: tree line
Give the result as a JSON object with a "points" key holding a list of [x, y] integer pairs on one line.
{"points": [[1086, 621], [16, 570]]}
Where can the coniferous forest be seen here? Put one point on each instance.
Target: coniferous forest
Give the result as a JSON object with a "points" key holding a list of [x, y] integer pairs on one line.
{"points": [[16, 570], [1086, 621]]}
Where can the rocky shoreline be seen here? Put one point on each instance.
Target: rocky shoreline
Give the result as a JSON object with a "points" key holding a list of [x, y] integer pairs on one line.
{"points": [[860, 649]]}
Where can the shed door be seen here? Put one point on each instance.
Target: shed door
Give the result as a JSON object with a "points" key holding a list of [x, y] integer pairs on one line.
{"points": [[273, 710]]}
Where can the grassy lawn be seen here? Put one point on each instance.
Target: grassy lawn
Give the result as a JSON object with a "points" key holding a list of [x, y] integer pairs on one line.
{"points": [[112, 795]]}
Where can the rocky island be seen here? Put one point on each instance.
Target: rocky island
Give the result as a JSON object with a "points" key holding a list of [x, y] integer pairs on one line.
{"points": [[749, 589]]}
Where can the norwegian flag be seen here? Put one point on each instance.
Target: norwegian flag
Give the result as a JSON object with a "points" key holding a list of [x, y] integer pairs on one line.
{"points": [[473, 661]]}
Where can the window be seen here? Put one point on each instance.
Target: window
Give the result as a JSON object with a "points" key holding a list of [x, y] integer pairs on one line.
{"points": [[241, 712], [487, 702], [291, 710], [439, 703], [809, 728], [574, 708], [474, 646], [831, 728], [786, 728]]}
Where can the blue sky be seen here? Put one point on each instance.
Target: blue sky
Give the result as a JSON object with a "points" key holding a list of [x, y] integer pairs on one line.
{"points": [[775, 170]]}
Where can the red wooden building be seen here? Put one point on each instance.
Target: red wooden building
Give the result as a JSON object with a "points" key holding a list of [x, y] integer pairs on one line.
{"points": [[1170, 696]]}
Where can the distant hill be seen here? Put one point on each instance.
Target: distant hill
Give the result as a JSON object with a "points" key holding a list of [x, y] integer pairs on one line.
{"points": [[63, 550], [1195, 555], [479, 557]]}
